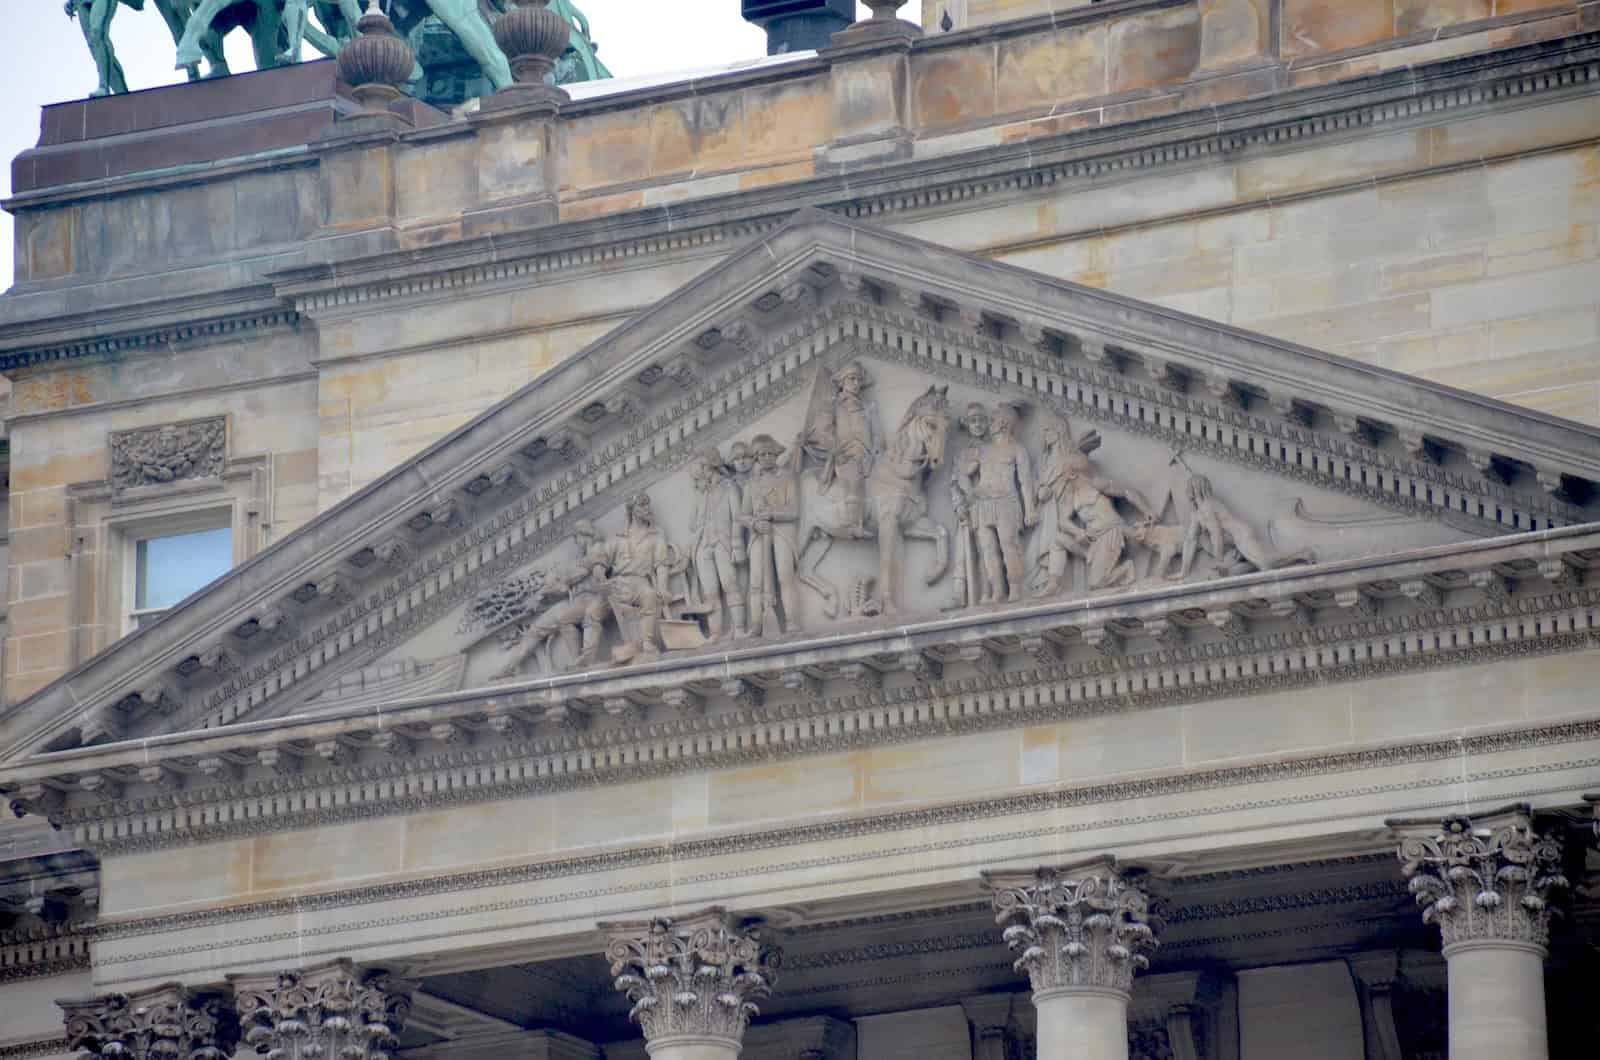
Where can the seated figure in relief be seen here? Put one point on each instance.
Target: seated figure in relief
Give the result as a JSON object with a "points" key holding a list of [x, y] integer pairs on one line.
{"points": [[634, 568]]}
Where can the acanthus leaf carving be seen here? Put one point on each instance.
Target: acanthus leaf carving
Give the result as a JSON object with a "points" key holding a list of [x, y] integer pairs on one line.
{"points": [[165, 1023], [695, 977], [333, 1010], [1484, 879], [1085, 926]]}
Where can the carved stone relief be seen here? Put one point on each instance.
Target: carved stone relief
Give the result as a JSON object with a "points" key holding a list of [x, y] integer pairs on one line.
{"points": [[803, 523], [153, 456]]}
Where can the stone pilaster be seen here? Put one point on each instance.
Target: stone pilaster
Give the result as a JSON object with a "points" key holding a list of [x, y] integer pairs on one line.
{"points": [[165, 1023], [1081, 933], [1488, 882], [694, 982], [333, 1010], [990, 1017]]}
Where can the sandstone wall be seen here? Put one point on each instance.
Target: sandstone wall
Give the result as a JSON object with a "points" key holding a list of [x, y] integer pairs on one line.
{"points": [[1461, 247]]}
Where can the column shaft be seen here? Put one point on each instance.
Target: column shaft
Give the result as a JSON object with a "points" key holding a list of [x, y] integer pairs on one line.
{"points": [[1082, 1024], [1497, 1001]]}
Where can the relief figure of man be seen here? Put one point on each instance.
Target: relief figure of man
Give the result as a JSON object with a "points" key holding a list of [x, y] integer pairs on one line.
{"points": [[846, 434], [719, 543], [997, 482], [577, 621], [1087, 522], [633, 567], [771, 510]]}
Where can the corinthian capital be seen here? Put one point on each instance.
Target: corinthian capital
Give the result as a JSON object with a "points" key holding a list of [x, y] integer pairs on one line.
{"points": [[168, 1022], [1085, 925], [333, 1010], [696, 977], [1484, 878]]}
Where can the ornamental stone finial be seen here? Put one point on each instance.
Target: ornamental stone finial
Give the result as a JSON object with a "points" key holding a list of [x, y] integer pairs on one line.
{"points": [[693, 981], [533, 38], [333, 1010], [1484, 879], [1080, 926], [165, 1023], [376, 62]]}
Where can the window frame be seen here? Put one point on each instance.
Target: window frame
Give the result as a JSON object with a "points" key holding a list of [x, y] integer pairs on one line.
{"points": [[124, 530]]}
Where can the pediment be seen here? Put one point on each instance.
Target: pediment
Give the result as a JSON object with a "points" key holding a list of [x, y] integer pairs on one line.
{"points": [[1151, 451]]}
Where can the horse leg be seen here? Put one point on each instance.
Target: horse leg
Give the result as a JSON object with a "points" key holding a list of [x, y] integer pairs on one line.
{"points": [[294, 30], [925, 529], [473, 32], [264, 35], [199, 24], [808, 571], [889, 563], [174, 21]]}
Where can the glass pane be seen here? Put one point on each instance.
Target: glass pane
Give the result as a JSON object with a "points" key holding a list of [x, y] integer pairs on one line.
{"points": [[170, 568]]}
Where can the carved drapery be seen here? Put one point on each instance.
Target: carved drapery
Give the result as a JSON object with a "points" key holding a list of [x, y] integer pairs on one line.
{"points": [[1492, 878], [1082, 926], [337, 1010], [698, 976], [169, 1022]]}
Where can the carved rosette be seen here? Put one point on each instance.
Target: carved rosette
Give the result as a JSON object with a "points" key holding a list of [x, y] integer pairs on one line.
{"points": [[697, 977], [338, 1010], [1486, 880], [1086, 927], [168, 1022]]}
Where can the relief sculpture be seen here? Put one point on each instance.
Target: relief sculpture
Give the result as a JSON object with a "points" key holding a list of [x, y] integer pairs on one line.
{"points": [[865, 493], [760, 522], [994, 497], [152, 456], [1082, 518], [770, 511]]}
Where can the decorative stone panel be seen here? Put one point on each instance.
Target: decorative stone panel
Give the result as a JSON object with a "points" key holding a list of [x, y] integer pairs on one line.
{"points": [[155, 456]]}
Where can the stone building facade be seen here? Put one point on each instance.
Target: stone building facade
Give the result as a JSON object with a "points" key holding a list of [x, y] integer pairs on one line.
{"points": [[1061, 530]]}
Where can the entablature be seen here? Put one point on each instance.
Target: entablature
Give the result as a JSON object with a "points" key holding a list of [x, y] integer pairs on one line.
{"points": [[1283, 630]]}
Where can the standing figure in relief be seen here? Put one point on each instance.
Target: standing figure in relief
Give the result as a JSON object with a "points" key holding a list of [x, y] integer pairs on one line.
{"points": [[718, 544], [743, 465], [578, 621], [1085, 517], [997, 484], [1212, 520], [771, 510], [633, 568]]}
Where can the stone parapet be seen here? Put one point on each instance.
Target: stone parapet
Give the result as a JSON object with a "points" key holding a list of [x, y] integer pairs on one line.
{"points": [[219, 170]]}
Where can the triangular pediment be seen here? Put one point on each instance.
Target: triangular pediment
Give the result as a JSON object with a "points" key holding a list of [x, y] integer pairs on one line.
{"points": [[1151, 451]]}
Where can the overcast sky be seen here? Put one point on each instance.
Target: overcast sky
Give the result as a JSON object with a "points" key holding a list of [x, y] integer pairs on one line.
{"points": [[47, 61]]}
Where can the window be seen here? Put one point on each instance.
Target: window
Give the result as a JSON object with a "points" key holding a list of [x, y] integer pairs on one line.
{"points": [[168, 568]]}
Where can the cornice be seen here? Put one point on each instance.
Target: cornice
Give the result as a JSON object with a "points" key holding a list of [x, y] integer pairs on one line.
{"points": [[349, 793], [1519, 76]]}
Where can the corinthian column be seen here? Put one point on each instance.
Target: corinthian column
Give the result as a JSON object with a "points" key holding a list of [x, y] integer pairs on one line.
{"points": [[693, 982], [166, 1023], [1080, 932], [1486, 882], [337, 1010]]}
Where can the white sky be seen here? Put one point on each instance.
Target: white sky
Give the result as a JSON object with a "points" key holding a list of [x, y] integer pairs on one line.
{"points": [[46, 60]]}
